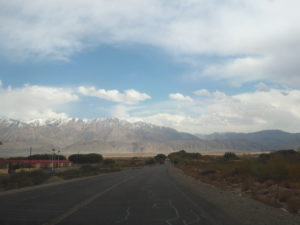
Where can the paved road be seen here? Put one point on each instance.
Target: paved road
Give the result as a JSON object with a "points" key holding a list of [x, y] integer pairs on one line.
{"points": [[146, 196]]}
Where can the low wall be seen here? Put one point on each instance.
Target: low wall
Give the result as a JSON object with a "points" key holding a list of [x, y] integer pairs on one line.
{"points": [[4, 171]]}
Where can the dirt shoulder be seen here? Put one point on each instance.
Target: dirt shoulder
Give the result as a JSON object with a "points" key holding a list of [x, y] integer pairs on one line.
{"points": [[245, 210]]}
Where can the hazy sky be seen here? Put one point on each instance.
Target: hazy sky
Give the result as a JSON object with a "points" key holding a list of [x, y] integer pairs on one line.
{"points": [[194, 65]]}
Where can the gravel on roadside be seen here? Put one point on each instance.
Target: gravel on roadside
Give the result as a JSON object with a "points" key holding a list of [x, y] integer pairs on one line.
{"points": [[236, 205]]}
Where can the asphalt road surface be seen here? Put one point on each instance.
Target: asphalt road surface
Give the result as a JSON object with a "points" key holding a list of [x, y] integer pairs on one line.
{"points": [[147, 196]]}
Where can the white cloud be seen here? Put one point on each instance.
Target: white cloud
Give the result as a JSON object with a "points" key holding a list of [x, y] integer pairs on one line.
{"points": [[128, 97], [1, 84], [235, 84], [35, 102], [202, 92], [206, 93], [261, 37], [262, 87], [246, 112], [180, 97]]}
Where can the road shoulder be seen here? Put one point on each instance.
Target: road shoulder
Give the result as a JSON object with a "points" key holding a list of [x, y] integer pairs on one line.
{"points": [[238, 206]]}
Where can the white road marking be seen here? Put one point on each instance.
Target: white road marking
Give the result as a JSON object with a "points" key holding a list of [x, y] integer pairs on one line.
{"points": [[176, 218], [126, 216], [194, 221], [194, 204]]}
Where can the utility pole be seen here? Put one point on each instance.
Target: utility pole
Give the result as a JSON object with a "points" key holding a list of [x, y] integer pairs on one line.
{"points": [[53, 150], [58, 157]]}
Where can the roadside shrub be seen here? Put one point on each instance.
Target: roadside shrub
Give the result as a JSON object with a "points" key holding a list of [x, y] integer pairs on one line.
{"points": [[39, 157], [86, 158], [243, 167], [183, 157], [207, 172], [283, 196], [293, 204], [38, 176], [230, 156], [175, 161], [294, 171], [267, 200], [277, 170], [274, 169], [20, 166], [69, 174], [3, 164], [284, 153], [109, 170], [150, 161], [46, 157], [109, 162], [193, 155], [24, 179], [86, 170], [264, 157]]}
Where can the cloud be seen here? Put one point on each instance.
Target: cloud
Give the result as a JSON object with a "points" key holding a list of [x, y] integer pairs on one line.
{"points": [[35, 102], [128, 97], [1, 84], [245, 112], [180, 97], [202, 92], [235, 84], [206, 93], [258, 39], [262, 87]]}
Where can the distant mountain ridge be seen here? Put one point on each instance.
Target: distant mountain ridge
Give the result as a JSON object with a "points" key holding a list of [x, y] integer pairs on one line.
{"points": [[111, 135], [267, 139], [80, 135]]}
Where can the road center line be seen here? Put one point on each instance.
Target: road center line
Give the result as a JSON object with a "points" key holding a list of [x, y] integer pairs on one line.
{"points": [[85, 203]]}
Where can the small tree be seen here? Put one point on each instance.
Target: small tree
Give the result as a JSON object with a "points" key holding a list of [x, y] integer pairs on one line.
{"points": [[109, 161], [45, 157], [86, 158], [230, 156]]}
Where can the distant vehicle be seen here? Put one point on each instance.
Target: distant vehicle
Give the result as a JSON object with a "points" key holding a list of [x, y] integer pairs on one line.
{"points": [[162, 161]]}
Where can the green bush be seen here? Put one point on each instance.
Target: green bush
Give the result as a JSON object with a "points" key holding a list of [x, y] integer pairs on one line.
{"points": [[86, 170], [20, 166], [3, 164], [264, 157], [150, 161], [284, 153], [39, 157], [183, 157], [46, 157], [24, 179], [274, 169], [86, 158], [69, 174], [230, 156], [109, 162], [244, 166]]}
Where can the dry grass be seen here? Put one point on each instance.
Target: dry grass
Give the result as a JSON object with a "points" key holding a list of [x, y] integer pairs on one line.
{"points": [[267, 200], [270, 178], [284, 196], [293, 204]]}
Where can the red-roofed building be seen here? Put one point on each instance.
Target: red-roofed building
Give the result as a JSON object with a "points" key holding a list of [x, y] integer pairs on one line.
{"points": [[42, 164]]}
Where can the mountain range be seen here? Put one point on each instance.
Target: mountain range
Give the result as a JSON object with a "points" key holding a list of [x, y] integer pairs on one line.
{"points": [[112, 135]]}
